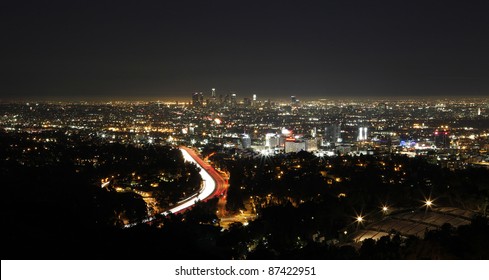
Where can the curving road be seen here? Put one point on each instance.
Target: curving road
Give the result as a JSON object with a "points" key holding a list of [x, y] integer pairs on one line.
{"points": [[206, 171], [210, 184], [213, 185]]}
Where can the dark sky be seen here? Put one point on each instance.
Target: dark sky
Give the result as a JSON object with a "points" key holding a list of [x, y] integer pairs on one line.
{"points": [[158, 49]]}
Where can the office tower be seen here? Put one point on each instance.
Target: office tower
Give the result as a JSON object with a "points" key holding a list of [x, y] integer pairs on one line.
{"points": [[213, 99], [294, 100], [362, 134], [271, 140], [245, 141], [198, 99], [247, 102], [332, 133]]}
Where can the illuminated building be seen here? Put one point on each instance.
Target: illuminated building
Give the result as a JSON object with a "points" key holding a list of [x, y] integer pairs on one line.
{"points": [[198, 99], [213, 99], [294, 100], [332, 133], [311, 144], [294, 146], [362, 134], [271, 140], [245, 141]]}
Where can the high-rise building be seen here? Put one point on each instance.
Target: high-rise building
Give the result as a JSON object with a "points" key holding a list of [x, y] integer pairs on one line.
{"points": [[332, 133], [213, 99], [314, 132], [245, 141], [272, 140], [362, 134], [198, 99], [311, 144], [234, 99], [294, 100]]}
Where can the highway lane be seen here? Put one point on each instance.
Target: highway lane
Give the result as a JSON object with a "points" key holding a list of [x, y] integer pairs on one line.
{"points": [[221, 184], [213, 185], [206, 191]]}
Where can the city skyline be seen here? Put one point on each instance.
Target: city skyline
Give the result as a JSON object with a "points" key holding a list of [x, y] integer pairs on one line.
{"points": [[207, 95], [162, 50], [224, 178], [252, 130]]}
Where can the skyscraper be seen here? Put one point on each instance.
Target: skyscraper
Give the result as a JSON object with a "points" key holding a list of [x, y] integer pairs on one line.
{"points": [[271, 140], [245, 141], [362, 134], [213, 99], [198, 99], [294, 100], [332, 133], [253, 102]]}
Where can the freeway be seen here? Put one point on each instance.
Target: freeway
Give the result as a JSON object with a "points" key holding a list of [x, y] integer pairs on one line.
{"points": [[206, 171], [213, 185]]}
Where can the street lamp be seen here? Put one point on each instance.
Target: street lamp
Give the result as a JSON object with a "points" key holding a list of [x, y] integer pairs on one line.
{"points": [[428, 203]]}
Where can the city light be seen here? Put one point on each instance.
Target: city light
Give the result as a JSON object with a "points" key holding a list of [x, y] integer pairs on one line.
{"points": [[264, 149], [428, 203], [140, 132]]}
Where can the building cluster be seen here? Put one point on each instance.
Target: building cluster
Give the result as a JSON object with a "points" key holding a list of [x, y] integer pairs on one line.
{"points": [[454, 132]]}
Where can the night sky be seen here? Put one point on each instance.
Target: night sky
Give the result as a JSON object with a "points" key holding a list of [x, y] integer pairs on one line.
{"points": [[313, 49]]}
